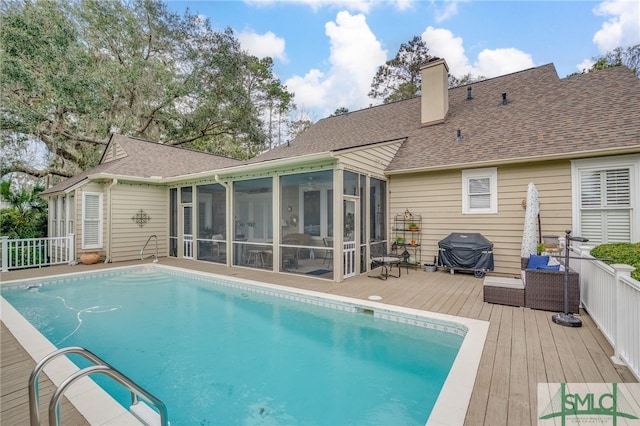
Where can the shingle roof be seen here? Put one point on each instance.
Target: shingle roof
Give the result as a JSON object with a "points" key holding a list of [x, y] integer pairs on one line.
{"points": [[146, 159], [545, 115], [582, 115]]}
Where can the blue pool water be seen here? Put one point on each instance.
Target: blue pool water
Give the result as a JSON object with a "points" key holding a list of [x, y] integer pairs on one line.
{"points": [[229, 355]]}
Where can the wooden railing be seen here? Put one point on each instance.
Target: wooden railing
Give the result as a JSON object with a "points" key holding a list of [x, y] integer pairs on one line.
{"points": [[36, 252], [612, 299]]}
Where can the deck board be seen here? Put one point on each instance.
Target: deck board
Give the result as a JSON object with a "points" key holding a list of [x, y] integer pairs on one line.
{"points": [[523, 347], [15, 367]]}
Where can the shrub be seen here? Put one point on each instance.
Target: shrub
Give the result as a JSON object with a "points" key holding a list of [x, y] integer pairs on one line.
{"points": [[626, 253]]}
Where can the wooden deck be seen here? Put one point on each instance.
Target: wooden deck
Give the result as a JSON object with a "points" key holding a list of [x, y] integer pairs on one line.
{"points": [[523, 347], [15, 367]]}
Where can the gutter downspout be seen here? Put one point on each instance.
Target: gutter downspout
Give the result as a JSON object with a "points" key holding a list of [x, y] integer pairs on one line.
{"points": [[107, 258], [228, 225]]}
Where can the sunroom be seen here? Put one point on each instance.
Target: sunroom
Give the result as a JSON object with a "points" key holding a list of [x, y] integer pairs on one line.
{"points": [[311, 219]]}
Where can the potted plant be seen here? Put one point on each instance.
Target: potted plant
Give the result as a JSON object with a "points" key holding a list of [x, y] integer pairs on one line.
{"points": [[413, 226]]}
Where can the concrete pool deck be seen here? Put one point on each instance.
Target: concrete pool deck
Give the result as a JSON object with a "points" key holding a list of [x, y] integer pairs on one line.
{"points": [[523, 346]]}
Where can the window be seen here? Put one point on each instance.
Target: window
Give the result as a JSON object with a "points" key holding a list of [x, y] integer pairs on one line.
{"points": [[480, 191], [603, 198], [91, 220]]}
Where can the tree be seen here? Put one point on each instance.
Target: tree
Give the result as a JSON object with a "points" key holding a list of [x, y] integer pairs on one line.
{"points": [[629, 57], [464, 80], [399, 78], [340, 111], [76, 72], [26, 214]]}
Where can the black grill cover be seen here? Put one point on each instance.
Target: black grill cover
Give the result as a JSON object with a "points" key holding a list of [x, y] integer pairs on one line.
{"points": [[466, 251]]}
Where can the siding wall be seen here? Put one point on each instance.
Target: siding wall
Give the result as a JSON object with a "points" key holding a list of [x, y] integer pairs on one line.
{"points": [[113, 152], [372, 160], [128, 237], [438, 197]]}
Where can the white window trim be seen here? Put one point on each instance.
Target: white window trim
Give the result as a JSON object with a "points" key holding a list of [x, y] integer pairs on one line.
{"points": [[624, 161], [100, 220], [492, 174]]}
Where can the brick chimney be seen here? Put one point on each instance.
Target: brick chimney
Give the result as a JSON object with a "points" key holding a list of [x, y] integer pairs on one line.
{"points": [[435, 91]]}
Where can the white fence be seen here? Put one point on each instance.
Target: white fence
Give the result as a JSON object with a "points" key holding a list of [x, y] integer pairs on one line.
{"points": [[612, 299], [36, 252]]}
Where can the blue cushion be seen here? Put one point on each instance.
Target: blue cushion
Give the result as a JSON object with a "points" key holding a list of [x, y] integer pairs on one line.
{"points": [[549, 267], [535, 261]]}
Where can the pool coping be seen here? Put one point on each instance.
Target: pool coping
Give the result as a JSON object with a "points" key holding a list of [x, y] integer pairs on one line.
{"points": [[450, 407]]}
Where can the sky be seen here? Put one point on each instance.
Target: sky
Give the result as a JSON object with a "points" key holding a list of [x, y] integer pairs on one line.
{"points": [[328, 51]]}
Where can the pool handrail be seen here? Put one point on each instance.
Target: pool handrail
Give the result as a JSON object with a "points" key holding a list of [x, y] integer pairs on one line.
{"points": [[100, 366], [155, 260]]}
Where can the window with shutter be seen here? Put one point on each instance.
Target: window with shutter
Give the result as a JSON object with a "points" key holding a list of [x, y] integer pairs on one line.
{"points": [[480, 191], [605, 199], [91, 220]]}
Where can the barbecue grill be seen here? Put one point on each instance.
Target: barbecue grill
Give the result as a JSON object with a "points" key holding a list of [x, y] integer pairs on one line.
{"points": [[466, 252]]}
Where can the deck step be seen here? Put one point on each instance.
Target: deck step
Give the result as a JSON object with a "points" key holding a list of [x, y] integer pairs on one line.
{"points": [[145, 414]]}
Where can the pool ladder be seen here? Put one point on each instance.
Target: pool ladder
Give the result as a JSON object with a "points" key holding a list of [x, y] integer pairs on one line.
{"points": [[155, 257], [138, 408]]}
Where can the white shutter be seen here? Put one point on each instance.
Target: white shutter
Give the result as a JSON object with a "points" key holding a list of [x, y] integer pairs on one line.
{"points": [[605, 201], [618, 225], [591, 189], [91, 220], [618, 190], [592, 226]]}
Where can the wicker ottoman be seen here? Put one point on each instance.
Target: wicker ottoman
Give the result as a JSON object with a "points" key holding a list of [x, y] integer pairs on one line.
{"points": [[504, 291]]}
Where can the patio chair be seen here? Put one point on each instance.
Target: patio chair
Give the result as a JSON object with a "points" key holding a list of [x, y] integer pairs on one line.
{"points": [[544, 289], [290, 254], [384, 261]]}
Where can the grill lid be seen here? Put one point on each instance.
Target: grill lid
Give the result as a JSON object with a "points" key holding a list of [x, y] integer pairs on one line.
{"points": [[465, 241]]}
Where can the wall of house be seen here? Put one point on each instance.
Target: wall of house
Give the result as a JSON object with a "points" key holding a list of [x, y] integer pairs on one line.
{"points": [[128, 237], [438, 197]]}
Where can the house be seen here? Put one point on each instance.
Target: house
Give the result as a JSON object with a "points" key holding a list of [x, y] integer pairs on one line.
{"points": [[461, 158]]}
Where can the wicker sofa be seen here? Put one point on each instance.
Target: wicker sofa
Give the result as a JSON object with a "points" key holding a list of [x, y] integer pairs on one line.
{"points": [[545, 289]]}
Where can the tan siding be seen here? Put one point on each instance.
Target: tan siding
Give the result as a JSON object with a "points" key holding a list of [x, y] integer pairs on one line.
{"points": [[128, 236], [372, 159], [114, 152], [438, 197]]}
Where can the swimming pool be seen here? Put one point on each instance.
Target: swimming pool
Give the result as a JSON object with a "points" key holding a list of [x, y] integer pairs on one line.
{"points": [[254, 353]]}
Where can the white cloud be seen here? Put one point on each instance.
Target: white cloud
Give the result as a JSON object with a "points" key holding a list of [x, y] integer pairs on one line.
{"points": [[585, 65], [490, 62], [263, 45], [355, 57], [623, 27], [445, 10]]}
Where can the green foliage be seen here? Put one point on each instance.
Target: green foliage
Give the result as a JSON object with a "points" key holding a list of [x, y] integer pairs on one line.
{"points": [[340, 111], [74, 72], [629, 57], [26, 216], [400, 77], [622, 253]]}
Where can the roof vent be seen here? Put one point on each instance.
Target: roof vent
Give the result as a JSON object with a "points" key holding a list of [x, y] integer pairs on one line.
{"points": [[469, 97], [458, 135], [504, 99]]}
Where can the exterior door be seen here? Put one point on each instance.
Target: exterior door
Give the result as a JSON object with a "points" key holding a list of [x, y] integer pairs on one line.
{"points": [[350, 227], [187, 231]]}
